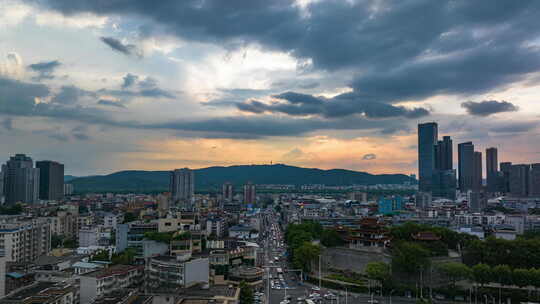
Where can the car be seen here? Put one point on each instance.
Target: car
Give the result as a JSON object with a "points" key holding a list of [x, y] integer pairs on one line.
{"points": [[373, 301], [316, 288], [300, 299]]}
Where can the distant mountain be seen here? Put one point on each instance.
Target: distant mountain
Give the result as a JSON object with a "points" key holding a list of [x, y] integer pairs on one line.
{"points": [[68, 178], [214, 177]]}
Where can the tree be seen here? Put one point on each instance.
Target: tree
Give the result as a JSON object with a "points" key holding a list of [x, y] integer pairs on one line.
{"points": [[378, 271], [331, 238], [102, 255], [305, 254], [129, 217], [455, 271], [503, 273], [70, 243], [56, 241], [125, 258], [410, 257], [522, 277], [482, 274], [246, 293]]}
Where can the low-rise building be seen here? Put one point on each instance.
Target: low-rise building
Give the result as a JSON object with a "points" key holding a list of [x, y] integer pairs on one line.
{"points": [[100, 283], [172, 272], [43, 293]]}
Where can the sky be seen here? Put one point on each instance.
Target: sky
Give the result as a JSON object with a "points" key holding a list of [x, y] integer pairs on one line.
{"points": [[109, 85]]}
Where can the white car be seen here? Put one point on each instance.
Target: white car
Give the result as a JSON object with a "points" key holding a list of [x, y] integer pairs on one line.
{"points": [[316, 288]]}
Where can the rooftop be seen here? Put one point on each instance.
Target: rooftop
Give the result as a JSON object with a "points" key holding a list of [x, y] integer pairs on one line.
{"points": [[110, 271]]}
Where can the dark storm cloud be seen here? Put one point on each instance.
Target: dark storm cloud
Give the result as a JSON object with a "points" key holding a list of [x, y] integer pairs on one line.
{"points": [[117, 45], [369, 156], [70, 95], [110, 103], [44, 69], [129, 80], [7, 124], [488, 107], [514, 127], [456, 47], [298, 104], [18, 98]]}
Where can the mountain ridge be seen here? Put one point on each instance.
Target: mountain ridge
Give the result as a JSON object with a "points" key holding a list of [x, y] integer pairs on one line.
{"points": [[214, 177]]}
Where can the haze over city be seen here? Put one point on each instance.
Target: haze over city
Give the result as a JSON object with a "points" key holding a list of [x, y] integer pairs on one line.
{"points": [[104, 86]]}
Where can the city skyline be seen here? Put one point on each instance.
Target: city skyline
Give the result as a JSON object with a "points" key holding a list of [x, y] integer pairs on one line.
{"points": [[126, 87]]}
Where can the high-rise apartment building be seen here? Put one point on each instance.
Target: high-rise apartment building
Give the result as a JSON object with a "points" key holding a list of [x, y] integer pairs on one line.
{"points": [[534, 181], [465, 166], [427, 138], [182, 185], [477, 171], [492, 164], [504, 182], [249, 193], [519, 180], [51, 180], [21, 180], [23, 241], [228, 192]]}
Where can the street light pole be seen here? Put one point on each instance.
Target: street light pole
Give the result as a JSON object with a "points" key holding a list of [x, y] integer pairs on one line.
{"points": [[320, 273]]}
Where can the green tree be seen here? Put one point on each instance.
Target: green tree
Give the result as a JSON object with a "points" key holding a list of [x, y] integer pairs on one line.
{"points": [[378, 271], [482, 274], [56, 241], [331, 238], [70, 243], [125, 258], [522, 277], [102, 255], [455, 271], [410, 257], [503, 274], [305, 254], [129, 217], [246, 293]]}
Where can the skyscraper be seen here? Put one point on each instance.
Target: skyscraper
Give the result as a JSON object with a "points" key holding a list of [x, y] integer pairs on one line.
{"points": [[228, 192], [182, 185], [477, 171], [492, 164], [21, 180], [443, 184], [51, 180], [505, 177], [249, 193], [465, 166], [444, 154], [534, 187], [519, 180], [427, 138]]}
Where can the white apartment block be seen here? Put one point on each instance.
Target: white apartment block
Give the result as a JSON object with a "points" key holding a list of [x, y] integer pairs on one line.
{"points": [[100, 283], [24, 241]]}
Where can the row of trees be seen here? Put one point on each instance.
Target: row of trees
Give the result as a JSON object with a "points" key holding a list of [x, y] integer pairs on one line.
{"points": [[299, 238], [484, 274], [520, 253], [125, 258]]}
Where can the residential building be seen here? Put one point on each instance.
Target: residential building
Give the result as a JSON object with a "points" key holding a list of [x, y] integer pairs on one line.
{"points": [[477, 201], [534, 188], [112, 219], [466, 166], [51, 180], [88, 236], [68, 189], [24, 240], [21, 180], [216, 226], [427, 138], [389, 205], [182, 185], [250, 196], [492, 165], [519, 180], [228, 192], [172, 272], [135, 235], [504, 183], [43, 293], [99, 283], [477, 171]]}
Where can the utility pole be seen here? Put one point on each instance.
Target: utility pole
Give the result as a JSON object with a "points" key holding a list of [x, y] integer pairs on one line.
{"points": [[320, 272]]}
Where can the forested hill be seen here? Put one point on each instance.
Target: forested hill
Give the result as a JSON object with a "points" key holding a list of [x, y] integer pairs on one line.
{"points": [[214, 177]]}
